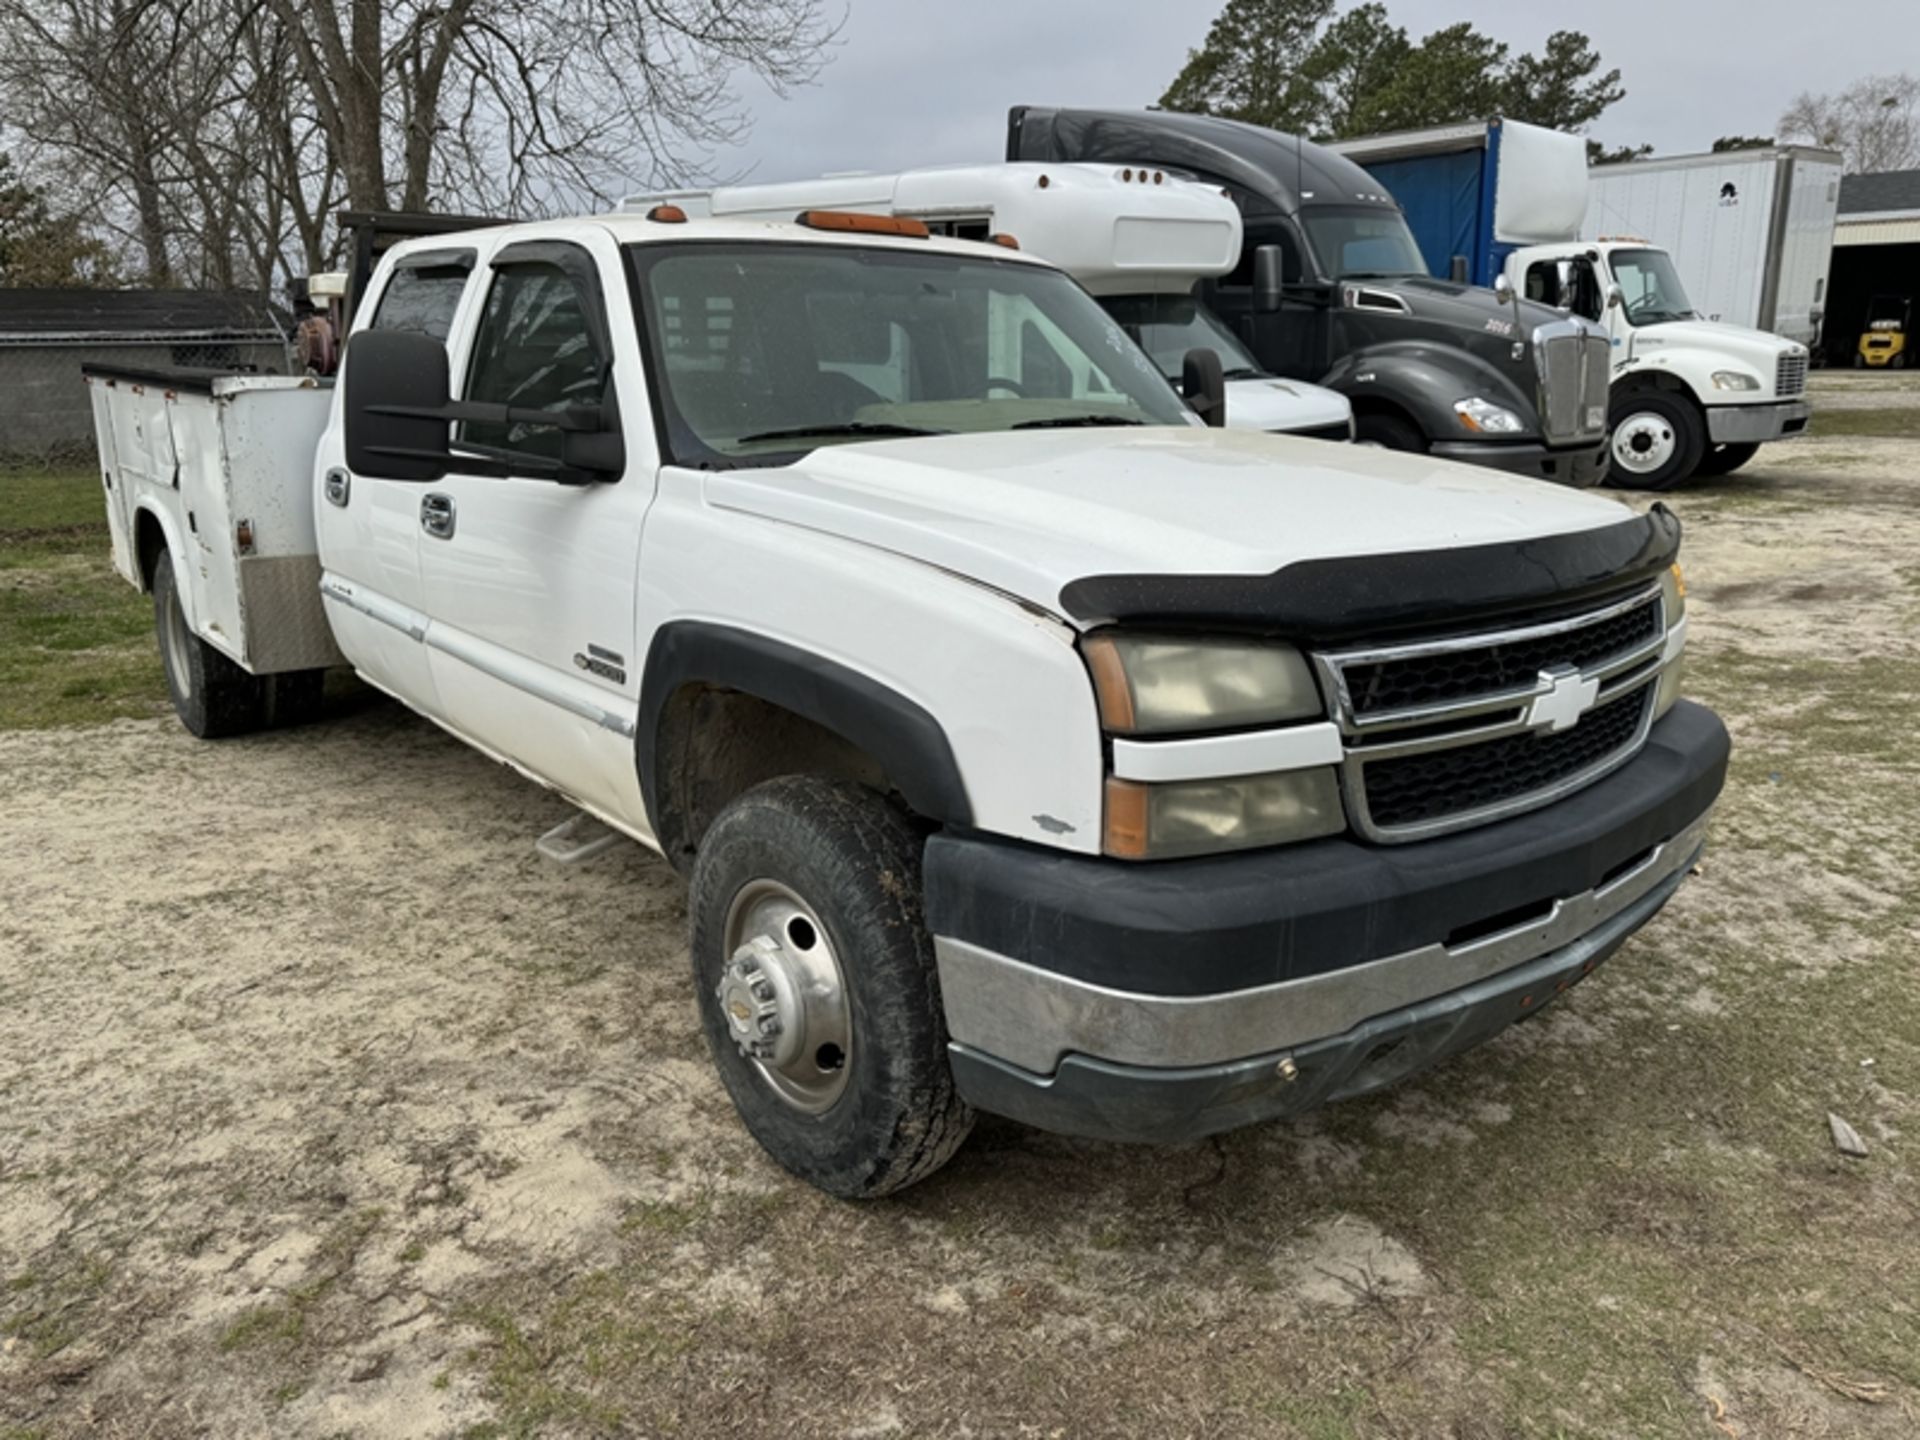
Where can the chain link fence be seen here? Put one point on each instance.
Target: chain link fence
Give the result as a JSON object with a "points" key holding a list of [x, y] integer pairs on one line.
{"points": [[46, 415]]}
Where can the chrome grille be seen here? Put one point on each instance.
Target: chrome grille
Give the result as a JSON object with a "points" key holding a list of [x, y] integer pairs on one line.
{"points": [[1790, 376], [1439, 735], [1573, 368]]}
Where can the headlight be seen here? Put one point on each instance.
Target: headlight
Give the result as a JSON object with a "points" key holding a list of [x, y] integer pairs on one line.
{"points": [[1734, 380], [1485, 417], [1156, 685], [1673, 591], [1199, 817]]}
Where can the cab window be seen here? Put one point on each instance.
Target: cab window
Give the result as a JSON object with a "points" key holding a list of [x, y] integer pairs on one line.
{"points": [[422, 297], [533, 350], [1543, 286]]}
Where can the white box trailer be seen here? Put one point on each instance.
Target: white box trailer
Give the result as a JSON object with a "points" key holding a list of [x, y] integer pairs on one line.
{"points": [[1751, 231]]}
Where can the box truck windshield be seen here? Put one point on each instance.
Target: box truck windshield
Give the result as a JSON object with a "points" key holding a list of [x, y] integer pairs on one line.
{"points": [[1652, 286], [1356, 244], [1168, 326]]}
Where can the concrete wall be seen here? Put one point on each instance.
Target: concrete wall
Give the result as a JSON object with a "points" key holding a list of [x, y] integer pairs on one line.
{"points": [[43, 401]]}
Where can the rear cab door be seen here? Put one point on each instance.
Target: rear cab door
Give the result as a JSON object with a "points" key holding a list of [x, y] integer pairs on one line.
{"points": [[369, 529]]}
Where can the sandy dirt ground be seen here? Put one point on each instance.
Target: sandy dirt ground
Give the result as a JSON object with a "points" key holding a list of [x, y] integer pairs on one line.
{"points": [[328, 1108]]}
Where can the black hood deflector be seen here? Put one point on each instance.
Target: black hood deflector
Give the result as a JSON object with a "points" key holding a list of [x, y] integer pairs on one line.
{"points": [[1377, 596]]}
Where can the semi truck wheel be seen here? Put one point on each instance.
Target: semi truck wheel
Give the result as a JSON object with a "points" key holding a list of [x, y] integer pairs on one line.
{"points": [[1389, 432], [1725, 459], [817, 987], [1657, 441], [213, 697]]}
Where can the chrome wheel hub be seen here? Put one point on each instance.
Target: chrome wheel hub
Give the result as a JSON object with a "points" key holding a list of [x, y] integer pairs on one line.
{"points": [[784, 997], [1643, 443]]}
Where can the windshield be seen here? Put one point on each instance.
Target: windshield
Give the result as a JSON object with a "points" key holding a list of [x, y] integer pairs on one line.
{"points": [[761, 352], [1359, 244], [1652, 287], [1168, 326]]}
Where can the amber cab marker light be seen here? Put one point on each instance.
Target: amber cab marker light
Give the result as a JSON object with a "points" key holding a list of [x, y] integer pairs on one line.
{"points": [[667, 215], [1126, 820], [1006, 240], [1110, 685], [862, 223]]}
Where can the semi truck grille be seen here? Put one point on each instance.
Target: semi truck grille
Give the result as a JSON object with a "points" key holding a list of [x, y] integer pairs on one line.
{"points": [[1573, 382], [1442, 734], [1790, 376]]}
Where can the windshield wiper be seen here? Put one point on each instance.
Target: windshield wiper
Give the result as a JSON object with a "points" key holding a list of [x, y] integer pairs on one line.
{"points": [[851, 427], [1067, 422]]}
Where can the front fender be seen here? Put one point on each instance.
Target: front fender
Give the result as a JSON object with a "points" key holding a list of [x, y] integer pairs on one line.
{"points": [[1683, 369], [1425, 379]]}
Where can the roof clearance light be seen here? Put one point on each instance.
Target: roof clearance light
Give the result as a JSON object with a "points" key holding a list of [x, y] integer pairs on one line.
{"points": [[1127, 175], [1006, 240], [862, 223], [1044, 182], [667, 215]]}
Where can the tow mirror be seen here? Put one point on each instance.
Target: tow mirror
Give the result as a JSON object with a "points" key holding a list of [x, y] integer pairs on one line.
{"points": [[1563, 277], [1616, 297], [1204, 384], [395, 402], [1267, 278], [398, 409]]}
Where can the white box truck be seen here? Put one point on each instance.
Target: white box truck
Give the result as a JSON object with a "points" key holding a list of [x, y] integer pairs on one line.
{"points": [[1751, 231], [1138, 238]]}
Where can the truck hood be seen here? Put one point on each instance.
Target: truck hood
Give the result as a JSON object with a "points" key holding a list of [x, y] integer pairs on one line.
{"points": [[1468, 306], [1273, 404], [1755, 348], [1027, 514]]}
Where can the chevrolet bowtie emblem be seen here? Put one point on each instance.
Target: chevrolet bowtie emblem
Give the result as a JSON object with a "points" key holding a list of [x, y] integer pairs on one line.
{"points": [[1559, 707]]}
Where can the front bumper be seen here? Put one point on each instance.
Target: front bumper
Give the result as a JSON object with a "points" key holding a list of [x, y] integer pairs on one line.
{"points": [[1580, 466], [1157, 1002], [1757, 424]]}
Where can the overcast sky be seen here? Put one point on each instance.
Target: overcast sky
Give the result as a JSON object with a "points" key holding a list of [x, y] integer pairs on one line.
{"points": [[922, 82]]}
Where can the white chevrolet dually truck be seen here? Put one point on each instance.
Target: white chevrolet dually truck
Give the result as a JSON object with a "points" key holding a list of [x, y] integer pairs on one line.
{"points": [[1030, 747]]}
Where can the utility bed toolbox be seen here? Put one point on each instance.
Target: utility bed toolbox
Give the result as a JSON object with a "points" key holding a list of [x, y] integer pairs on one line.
{"points": [[222, 465]]}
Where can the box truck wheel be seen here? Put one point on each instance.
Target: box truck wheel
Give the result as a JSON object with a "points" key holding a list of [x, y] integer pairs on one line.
{"points": [[1657, 442], [1725, 459], [213, 697], [817, 987], [1390, 432]]}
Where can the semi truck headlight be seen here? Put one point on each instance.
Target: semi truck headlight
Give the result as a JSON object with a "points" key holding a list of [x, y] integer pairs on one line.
{"points": [[1158, 685], [1486, 418], [1203, 817], [1735, 380]]}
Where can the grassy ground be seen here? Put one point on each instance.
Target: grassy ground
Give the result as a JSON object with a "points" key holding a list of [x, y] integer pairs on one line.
{"points": [[76, 641], [290, 1144]]}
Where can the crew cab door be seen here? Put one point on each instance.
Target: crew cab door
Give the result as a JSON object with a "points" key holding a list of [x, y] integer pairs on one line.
{"points": [[369, 528], [530, 582]]}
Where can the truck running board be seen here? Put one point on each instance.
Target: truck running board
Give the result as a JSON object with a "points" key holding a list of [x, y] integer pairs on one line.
{"points": [[577, 839]]}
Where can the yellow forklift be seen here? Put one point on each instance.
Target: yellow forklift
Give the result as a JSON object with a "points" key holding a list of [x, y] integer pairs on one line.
{"points": [[1883, 344]]}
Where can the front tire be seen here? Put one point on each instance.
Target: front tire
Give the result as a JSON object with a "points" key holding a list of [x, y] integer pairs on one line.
{"points": [[1390, 432], [817, 987], [1725, 459], [1656, 440], [213, 697]]}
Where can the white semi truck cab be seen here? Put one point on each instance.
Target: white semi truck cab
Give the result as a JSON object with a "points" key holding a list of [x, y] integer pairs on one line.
{"points": [[1139, 240], [1689, 396], [1029, 745]]}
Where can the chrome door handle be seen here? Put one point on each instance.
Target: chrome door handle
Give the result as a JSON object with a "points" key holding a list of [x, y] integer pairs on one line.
{"points": [[436, 516], [339, 486]]}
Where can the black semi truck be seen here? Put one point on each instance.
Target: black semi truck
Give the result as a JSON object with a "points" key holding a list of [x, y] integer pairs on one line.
{"points": [[1331, 288]]}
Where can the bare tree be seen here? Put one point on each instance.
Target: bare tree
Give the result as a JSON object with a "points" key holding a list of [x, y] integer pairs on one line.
{"points": [[1874, 123]]}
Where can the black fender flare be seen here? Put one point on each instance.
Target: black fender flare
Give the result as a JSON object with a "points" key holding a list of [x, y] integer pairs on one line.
{"points": [[906, 740], [1424, 379]]}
